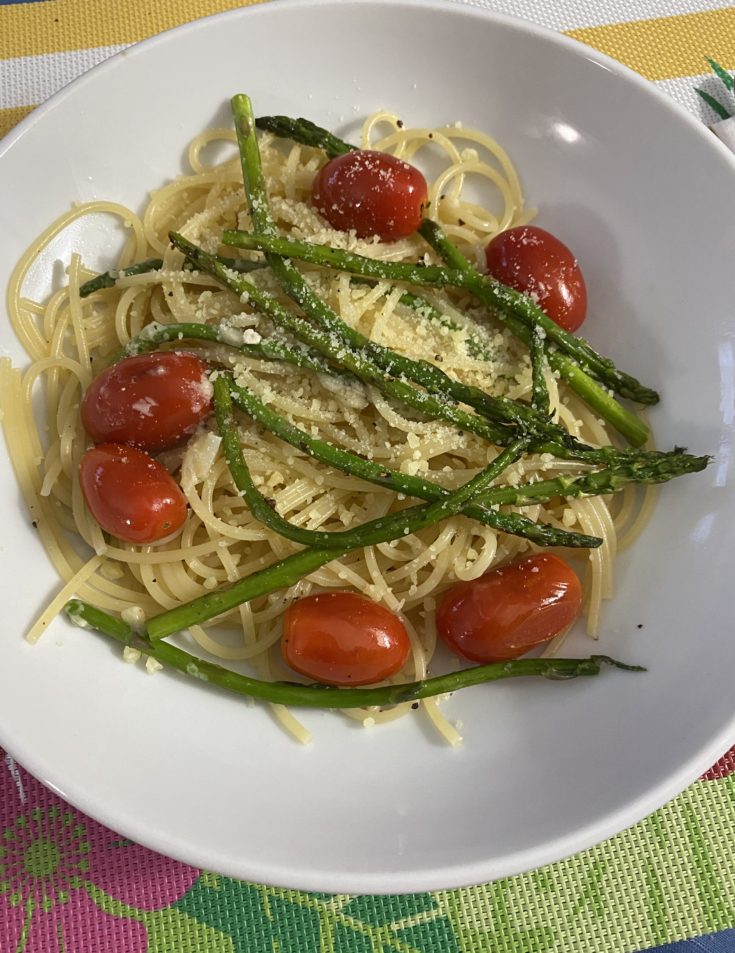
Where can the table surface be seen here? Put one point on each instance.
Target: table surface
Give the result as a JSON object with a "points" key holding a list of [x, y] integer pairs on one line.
{"points": [[67, 884]]}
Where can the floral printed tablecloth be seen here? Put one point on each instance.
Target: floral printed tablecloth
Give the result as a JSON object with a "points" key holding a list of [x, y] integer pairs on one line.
{"points": [[69, 885]]}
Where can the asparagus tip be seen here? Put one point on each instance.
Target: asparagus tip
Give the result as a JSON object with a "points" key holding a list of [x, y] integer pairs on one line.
{"points": [[607, 660]]}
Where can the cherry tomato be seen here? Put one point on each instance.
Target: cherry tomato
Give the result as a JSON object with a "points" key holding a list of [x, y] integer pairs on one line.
{"points": [[130, 494], [533, 261], [509, 610], [153, 401], [343, 638], [371, 192]]}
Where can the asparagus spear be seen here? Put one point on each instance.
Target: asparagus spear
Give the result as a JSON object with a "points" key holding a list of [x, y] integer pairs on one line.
{"points": [[305, 132], [335, 350], [108, 279], [652, 467], [266, 350], [433, 405], [490, 291], [539, 533], [327, 696], [346, 539], [517, 311], [540, 399]]}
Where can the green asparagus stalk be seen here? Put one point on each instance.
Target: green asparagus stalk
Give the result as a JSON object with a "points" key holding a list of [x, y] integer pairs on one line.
{"points": [[305, 132], [647, 468], [155, 334], [281, 575], [540, 533], [345, 539], [508, 301], [630, 426], [327, 696], [430, 404], [353, 361], [108, 279], [510, 306], [539, 390]]}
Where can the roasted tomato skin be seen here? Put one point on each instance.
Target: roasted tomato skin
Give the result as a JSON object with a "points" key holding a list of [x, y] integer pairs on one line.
{"points": [[151, 401], [372, 193], [130, 494], [509, 610], [535, 262], [343, 638]]}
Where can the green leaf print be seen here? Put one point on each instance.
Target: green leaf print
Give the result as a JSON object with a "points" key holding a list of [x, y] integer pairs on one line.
{"points": [[168, 929], [233, 907], [268, 920]]}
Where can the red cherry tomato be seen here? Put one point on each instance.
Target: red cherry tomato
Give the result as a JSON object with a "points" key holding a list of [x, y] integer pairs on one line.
{"points": [[130, 494], [533, 261], [509, 610], [342, 638], [153, 401], [371, 192]]}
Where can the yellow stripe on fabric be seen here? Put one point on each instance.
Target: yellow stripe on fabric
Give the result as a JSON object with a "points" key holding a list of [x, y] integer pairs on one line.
{"points": [[669, 46], [54, 26], [9, 117]]}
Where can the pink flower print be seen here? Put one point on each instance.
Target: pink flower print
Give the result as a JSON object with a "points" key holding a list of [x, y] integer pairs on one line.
{"points": [[69, 884]]}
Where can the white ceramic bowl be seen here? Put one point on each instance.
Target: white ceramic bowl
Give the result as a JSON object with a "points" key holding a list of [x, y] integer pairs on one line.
{"points": [[647, 198]]}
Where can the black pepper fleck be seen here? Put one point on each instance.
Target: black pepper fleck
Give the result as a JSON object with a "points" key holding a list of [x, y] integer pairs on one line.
{"points": [[415, 705]]}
